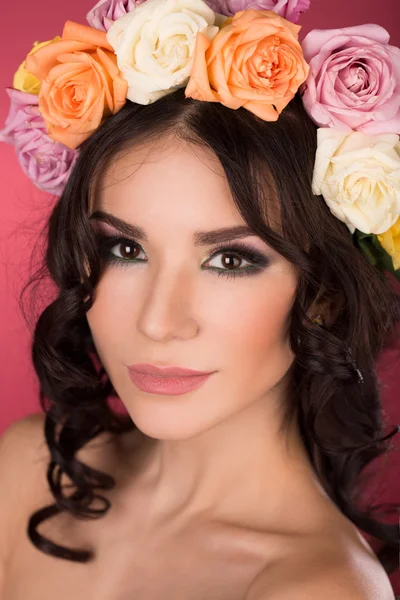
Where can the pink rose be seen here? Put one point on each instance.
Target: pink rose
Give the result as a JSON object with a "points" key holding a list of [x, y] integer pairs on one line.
{"points": [[103, 15], [354, 79], [46, 162], [288, 9]]}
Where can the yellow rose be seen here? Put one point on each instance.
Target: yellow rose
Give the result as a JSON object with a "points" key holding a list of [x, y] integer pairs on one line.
{"points": [[25, 81], [390, 241]]}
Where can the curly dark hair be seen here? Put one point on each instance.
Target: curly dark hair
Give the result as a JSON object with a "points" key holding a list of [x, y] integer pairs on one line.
{"points": [[341, 420]]}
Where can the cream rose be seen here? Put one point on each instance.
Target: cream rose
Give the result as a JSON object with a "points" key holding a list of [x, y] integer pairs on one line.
{"points": [[359, 177], [155, 43]]}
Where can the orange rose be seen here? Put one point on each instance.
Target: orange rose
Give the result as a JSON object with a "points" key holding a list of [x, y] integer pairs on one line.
{"points": [[81, 84], [24, 81], [254, 61]]}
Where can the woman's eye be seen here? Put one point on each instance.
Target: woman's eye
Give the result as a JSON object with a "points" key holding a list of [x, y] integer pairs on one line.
{"points": [[228, 260], [231, 260], [130, 250]]}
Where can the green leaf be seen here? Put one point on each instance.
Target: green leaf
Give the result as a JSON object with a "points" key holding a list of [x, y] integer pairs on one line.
{"points": [[370, 246]]}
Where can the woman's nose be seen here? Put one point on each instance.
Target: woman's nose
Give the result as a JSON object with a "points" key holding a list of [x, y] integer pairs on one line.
{"points": [[167, 307]]}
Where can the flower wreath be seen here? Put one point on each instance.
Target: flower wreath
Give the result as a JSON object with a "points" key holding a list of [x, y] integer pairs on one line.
{"points": [[241, 54]]}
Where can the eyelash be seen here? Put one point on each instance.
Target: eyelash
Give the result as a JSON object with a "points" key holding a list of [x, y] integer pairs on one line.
{"points": [[106, 242]]}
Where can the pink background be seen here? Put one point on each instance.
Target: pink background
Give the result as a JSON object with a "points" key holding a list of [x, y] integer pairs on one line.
{"points": [[23, 208]]}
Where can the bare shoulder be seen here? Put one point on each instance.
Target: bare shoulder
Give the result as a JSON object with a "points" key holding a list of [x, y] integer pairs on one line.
{"points": [[23, 455], [23, 433], [23, 450], [323, 574]]}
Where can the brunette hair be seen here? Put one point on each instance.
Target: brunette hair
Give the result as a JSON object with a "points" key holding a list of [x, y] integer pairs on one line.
{"points": [[341, 420]]}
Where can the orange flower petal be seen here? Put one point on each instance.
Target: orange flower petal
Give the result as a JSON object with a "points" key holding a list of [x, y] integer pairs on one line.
{"points": [[218, 81], [120, 85], [84, 33], [198, 86], [40, 63], [264, 111]]}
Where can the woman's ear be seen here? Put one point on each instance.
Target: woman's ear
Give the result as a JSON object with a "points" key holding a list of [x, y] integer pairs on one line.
{"points": [[87, 272], [327, 306], [86, 268]]}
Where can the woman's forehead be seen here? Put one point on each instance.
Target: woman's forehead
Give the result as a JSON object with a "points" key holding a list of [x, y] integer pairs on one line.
{"points": [[162, 172], [175, 171]]}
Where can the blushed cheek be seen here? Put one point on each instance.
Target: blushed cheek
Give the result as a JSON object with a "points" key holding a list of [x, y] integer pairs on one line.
{"points": [[260, 334]]}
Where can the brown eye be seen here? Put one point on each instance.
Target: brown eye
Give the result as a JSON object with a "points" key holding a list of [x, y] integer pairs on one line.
{"points": [[128, 250], [227, 260]]}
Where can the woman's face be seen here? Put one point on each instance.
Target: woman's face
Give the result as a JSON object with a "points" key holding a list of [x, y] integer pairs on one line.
{"points": [[168, 305]]}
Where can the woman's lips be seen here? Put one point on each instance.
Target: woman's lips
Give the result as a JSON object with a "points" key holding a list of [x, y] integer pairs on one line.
{"points": [[156, 384], [166, 371]]}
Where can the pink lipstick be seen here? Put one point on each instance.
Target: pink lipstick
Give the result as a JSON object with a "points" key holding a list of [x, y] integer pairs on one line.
{"points": [[166, 380]]}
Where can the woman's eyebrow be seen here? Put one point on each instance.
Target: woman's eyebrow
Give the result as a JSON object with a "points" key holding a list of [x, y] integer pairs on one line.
{"points": [[201, 238]]}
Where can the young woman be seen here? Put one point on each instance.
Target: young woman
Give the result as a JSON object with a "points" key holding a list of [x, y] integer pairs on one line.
{"points": [[188, 237]]}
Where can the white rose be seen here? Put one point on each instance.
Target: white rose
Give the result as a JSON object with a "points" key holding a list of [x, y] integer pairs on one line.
{"points": [[154, 44], [359, 177]]}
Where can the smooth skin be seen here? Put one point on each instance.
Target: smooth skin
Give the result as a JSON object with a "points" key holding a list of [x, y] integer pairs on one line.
{"points": [[212, 501]]}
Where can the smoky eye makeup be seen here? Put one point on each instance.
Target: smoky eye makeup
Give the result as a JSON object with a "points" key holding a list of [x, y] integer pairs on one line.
{"points": [[107, 240]]}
